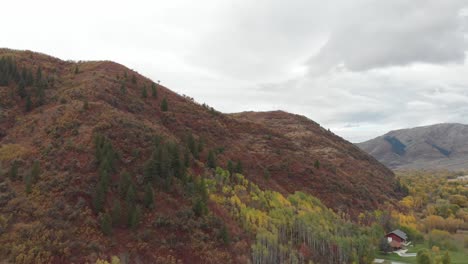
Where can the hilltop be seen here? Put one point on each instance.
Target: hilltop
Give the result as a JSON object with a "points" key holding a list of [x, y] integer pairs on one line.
{"points": [[84, 142], [439, 146]]}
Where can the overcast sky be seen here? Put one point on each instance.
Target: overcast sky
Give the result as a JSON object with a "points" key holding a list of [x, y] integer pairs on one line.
{"points": [[360, 68]]}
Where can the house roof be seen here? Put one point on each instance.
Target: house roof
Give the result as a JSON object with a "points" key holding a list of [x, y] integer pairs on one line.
{"points": [[399, 233]]}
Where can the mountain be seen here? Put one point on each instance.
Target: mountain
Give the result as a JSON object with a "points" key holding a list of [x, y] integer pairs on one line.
{"points": [[98, 160], [440, 146]]}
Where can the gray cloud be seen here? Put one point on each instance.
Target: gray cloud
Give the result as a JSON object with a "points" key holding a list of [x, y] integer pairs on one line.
{"points": [[393, 33], [359, 67]]}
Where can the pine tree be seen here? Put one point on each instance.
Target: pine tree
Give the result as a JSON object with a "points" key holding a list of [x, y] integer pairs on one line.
{"points": [[116, 213], [77, 70], [211, 161], [106, 224], [164, 106], [134, 216], [28, 181], [134, 80], [35, 171], [224, 235], [98, 197], [124, 182], [22, 89], [149, 196], [239, 167], [199, 207], [28, 103], [144, 93], [130, 197], [14, 171], [230, 167], [266, 173], [154, 91], [317, 164], [123, 89]]}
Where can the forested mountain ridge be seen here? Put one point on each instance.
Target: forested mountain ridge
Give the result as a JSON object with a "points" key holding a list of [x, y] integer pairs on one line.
{"points": [[439, 146], [100, 161]]}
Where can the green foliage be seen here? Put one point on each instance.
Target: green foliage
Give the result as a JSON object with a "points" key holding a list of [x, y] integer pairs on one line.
{"points": [[22, 89], [282, 225], [224, 235], [13, 173], [106, 224], [211, 160], [134, 79], [134, 216], [164, 106], [424, 257], [85, 105], [124, 182], [28, 182], [266, 174], [149, 196], [98, 197], [77, 69], [199, 207], [123, 89], [116, 213], [446, 258], [317, 164], [230, 167], [130, 197], [35, 171], [239, 168], [28, 105], [154, 91]]}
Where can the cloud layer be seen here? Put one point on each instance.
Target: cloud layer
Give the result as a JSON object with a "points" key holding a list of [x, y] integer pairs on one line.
{"points": [[358, 67]]}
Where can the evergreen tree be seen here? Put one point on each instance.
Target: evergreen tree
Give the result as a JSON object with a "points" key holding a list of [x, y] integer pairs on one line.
{"points": [[35, 171], [230, 167], [124, 182], [116, 213], [22, 89], [211, 161], [317, 164], [130, 197], [14, 170], [106, 224], [224, 235], [164, 106], [38, 75], [266, 173], [149, 196], [40, 94], [144, 93], [199, 207], [98, 198], [28, 181], [187, 158], [123, 89], [239, 167], [134, 216], [154, 91], [28, 103], [77, 70], [134, 80]]}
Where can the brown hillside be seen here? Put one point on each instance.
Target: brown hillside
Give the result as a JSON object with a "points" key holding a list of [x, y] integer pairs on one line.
{"points": [[82, 99]]}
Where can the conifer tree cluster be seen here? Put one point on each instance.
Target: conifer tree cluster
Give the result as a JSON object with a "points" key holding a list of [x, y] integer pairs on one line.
{"points": [[29, 87], [164, 164]]}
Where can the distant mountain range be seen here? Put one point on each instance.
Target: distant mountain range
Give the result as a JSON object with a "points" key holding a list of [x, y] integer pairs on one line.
{"points": [[440, 146]]}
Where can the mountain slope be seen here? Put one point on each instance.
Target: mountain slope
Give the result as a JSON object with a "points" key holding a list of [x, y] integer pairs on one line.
{"points": [[64, 116], [440, 146]]}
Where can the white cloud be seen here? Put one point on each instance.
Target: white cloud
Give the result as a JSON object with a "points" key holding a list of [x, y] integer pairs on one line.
{"points": [[358, 67]]}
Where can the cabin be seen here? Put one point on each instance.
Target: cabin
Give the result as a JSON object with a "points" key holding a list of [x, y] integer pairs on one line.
{"points": [[396, 238]]}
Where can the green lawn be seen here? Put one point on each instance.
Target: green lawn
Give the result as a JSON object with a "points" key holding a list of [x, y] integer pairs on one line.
{"points": [[457, 257]]}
